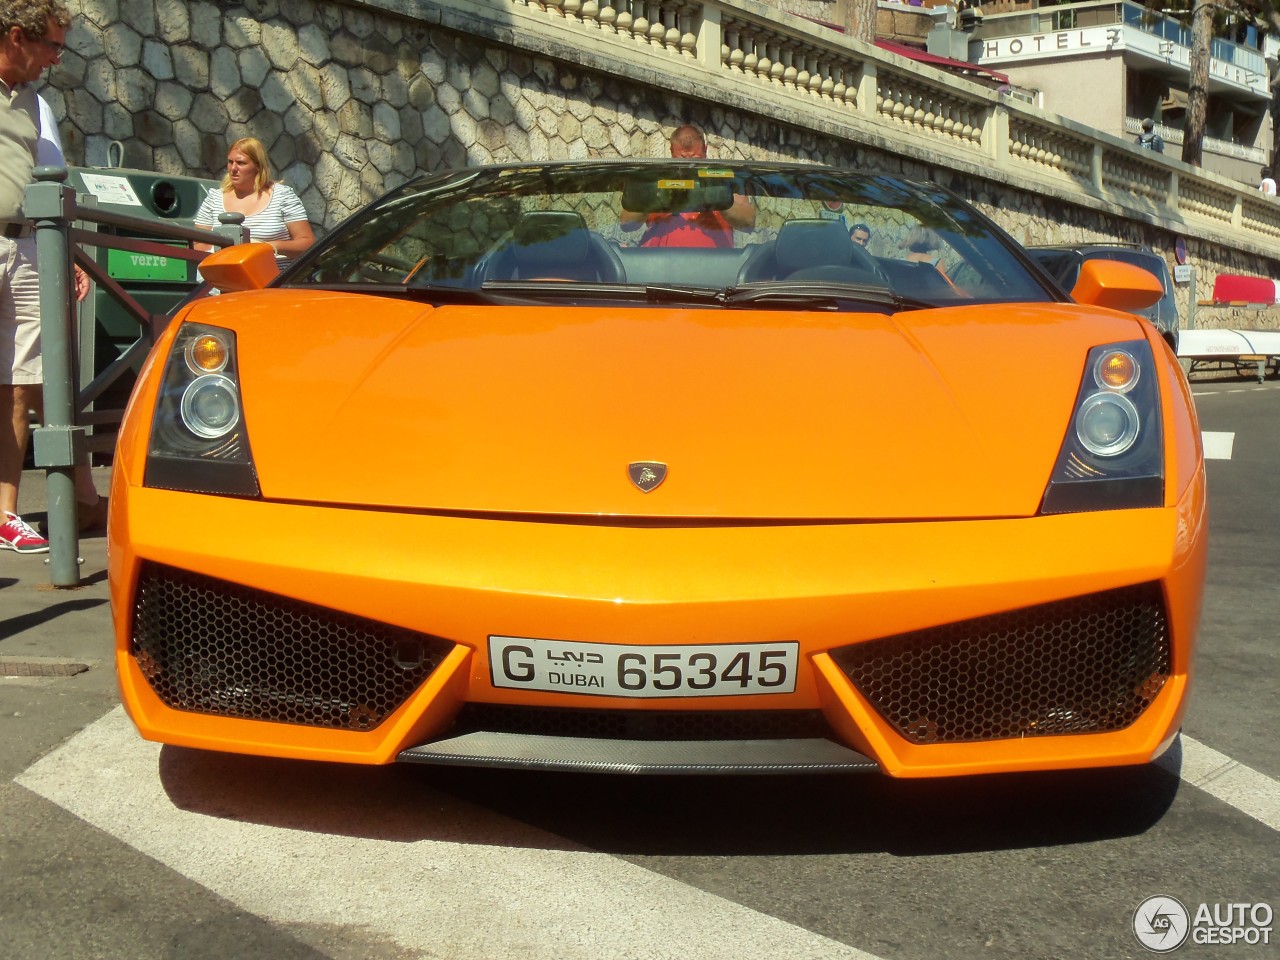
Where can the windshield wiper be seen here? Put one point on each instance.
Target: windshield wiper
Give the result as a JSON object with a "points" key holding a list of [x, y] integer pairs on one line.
{"points": [[798, 295], [659, 293], [816, 295], [801, 295], [562, 289], [435, 293]]}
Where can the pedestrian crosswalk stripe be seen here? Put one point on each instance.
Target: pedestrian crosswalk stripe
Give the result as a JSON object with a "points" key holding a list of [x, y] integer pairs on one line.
{"points": [[1244, 788], [1218, 445], [324, 845]]}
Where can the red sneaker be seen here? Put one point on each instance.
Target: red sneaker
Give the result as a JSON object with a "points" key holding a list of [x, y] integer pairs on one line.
{"points": [[16, 534]]}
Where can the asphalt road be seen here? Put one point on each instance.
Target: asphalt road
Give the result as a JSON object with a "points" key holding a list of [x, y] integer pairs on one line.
{"points": [[114, 848]]}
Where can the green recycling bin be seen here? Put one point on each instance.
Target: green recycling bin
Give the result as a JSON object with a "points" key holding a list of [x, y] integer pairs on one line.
{"points": [[158, 283]]}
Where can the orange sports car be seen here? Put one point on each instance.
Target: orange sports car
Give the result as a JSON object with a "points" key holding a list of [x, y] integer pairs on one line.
{"points": [[647, 466]]}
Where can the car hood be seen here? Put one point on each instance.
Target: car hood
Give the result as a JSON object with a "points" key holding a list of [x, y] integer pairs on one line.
{"points": [[755, 414]]}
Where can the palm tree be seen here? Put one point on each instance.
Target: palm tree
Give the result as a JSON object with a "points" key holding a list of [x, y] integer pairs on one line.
{"points": [[1198, 84]]}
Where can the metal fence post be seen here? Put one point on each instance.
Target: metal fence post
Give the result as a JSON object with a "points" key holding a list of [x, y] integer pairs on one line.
{"points": [[58, 444], [231, 226], [1192, 299]]}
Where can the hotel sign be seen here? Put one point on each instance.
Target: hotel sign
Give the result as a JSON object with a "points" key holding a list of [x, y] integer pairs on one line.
{"points": [[996, 51], [1091, 40], [1066, 41]]}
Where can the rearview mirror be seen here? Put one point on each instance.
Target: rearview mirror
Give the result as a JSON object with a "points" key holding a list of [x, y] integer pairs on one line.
{"points": [[675, 195]]}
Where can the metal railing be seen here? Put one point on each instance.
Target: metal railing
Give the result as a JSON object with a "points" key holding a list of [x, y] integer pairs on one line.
{"points": [[60, 443], [1226, 148]]}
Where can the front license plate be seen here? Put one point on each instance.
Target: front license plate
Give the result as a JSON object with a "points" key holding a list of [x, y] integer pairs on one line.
{"points": [[614, 670]]}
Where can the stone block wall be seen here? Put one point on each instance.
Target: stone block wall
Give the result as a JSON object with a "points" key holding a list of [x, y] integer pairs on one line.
{"points": [[352, 98], [905, 26]]}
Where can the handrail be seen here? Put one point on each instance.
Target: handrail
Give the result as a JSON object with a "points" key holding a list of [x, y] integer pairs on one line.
{"points": [[1226, 148], [60, 443]]}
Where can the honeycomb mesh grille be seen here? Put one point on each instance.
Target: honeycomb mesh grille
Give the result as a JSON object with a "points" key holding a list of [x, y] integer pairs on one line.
{"points": [[209, 646], [644, 724], [1087, 665]]}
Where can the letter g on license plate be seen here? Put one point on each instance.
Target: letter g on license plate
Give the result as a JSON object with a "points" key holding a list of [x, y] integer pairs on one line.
{"points": [[615, 670]]}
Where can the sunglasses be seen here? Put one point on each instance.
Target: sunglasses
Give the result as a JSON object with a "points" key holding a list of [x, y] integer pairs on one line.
{"points": [[52, 45]]}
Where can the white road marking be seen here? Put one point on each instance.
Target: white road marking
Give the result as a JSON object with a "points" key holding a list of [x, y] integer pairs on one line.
{"points": [[423, 869], [1200, 391], [1217, 445], [433, 873], [1233, 783]]}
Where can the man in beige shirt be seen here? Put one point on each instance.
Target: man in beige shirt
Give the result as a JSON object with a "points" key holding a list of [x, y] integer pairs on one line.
{"points": [[32, 38]]}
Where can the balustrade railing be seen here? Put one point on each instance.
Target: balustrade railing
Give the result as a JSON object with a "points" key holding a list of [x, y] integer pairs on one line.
{"points": [[1226, 148], [759, 51], [929, 109], [662, 24], [1049, 149], [1138, 176], [1212, 202], [1261, 215]]}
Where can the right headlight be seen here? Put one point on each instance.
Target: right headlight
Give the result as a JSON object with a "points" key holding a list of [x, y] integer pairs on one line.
{"points": [[1112, 457], [198, 438]]}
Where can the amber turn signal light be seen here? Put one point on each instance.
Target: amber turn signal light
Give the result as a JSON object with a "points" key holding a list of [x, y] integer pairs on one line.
{"points": [[1116, 370]]}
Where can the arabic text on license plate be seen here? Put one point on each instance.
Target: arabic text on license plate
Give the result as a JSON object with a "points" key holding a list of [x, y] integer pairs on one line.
{"points": [[615, 670]]}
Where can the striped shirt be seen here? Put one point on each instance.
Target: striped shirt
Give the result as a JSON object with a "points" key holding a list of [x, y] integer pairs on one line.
{"points": [[269, 223]]}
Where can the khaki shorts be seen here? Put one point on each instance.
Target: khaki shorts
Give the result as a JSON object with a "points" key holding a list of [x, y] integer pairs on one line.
{"points": [[19, 312]]}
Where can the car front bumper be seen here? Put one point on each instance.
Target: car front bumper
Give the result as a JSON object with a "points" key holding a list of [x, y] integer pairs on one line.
{"points": [[448, 583]]}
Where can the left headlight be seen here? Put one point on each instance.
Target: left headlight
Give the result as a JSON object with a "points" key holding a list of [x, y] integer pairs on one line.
{"points": [[198, 438], [1112, 457]]}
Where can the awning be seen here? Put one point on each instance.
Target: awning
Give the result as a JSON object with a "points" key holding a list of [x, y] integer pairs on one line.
{"points": [[921, 56], [943, 63]]}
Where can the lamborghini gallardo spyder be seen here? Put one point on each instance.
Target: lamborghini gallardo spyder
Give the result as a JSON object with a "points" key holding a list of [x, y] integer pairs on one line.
{"points": [[645, 466]]}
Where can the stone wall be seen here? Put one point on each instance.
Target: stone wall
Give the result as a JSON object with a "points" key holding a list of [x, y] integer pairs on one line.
{"points": [[1221, 316], [353, 97]]}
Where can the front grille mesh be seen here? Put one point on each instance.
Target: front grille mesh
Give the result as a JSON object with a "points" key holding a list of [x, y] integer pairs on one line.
{"points": [[644, 724], [1090, 664], [210, 646]]}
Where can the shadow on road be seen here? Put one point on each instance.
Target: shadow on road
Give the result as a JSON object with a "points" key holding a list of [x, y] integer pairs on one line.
{"points": [[676, 816], [12, 626]]}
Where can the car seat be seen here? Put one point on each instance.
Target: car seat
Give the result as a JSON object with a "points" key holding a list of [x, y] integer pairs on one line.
{"points": [[811, 250], [556, 245]]}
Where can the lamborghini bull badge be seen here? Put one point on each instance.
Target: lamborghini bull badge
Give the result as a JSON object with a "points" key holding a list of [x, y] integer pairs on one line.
{"points": [[647, 474]]}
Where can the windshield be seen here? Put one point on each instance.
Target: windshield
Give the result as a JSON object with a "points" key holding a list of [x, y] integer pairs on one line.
{"points": [[705, 233]]}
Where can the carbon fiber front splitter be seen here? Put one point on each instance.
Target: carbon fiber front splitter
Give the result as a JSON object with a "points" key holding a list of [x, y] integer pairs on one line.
{"points": [[583, 754]]}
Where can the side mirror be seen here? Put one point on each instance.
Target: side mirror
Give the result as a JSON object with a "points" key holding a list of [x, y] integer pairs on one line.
{"points": [[245, 266], [1119, 286]]}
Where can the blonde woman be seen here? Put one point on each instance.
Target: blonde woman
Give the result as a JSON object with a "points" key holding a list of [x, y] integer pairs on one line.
{"points": [[272, 211], [922, 246]]}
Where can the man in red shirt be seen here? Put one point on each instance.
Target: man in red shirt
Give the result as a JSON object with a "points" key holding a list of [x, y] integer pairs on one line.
{"points": [[710, 228]]}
